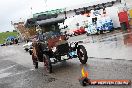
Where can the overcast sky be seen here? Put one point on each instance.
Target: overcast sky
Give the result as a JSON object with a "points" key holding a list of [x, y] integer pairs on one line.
{"points": [[13, 10]]}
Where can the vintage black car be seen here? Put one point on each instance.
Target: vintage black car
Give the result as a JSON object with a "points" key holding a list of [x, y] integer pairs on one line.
{"points": [[51, 43]]}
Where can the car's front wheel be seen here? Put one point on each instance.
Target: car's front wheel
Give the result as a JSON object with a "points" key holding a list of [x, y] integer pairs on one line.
{"points": [[82, 54]]}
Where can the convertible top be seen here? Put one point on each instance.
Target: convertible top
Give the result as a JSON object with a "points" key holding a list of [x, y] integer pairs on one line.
{"points": [[50, 21], [30, 22], [33, 21]]}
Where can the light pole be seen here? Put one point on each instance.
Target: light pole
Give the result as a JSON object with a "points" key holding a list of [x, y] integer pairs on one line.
{"points": [[125, 5], [31, 12], [45, 1]]}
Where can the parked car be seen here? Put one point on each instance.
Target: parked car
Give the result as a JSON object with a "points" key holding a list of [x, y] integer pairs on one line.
{"points": [[75, 25], [27, 46], [10, 40], [4, 44], [79, 31]]}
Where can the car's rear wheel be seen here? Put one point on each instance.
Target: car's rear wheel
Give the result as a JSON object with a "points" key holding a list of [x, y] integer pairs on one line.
{"points": [[26, 49], [35, 63], [47, 63], [87, 34], [75, 34]]}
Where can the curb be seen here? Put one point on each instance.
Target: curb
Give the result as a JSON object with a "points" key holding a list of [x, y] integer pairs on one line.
{"points": [[110, 58]]}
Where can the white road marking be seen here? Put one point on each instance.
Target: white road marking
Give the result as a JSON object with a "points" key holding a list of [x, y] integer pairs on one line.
{"points": [[3, 75], [2, 70], [21, 72]]}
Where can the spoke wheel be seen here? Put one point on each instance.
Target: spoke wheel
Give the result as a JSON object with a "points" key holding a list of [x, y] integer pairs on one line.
{"points": [[35, 63], [82, 54], [47, 64]]}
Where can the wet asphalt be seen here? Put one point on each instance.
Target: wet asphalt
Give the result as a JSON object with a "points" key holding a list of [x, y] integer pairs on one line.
{"points": [[109, 58]]}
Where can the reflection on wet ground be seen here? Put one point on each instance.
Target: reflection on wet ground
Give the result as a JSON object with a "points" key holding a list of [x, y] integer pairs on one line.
{"points": [[114, 46], [128, 39], [117, 37]]}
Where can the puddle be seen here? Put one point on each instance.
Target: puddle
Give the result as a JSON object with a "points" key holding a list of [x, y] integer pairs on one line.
{"points": [[115, 47], [128, 40]]}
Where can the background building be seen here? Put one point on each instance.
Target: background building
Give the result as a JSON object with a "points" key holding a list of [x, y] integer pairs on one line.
{"points": [[112, 7]]}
